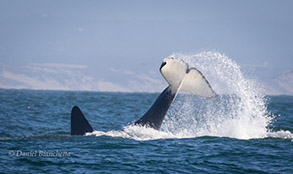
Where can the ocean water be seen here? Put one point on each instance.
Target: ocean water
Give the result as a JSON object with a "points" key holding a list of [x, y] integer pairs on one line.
{"points": [[240, 131]]}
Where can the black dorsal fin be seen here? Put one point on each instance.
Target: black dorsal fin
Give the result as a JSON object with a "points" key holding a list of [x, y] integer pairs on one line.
{"points": [[79, 124]]}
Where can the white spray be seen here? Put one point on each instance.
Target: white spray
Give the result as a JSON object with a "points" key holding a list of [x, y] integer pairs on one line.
{"points": [[238, 112]]}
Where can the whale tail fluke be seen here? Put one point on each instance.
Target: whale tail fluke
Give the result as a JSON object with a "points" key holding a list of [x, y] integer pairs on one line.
{"points": [[180, 78], [79, 124]]}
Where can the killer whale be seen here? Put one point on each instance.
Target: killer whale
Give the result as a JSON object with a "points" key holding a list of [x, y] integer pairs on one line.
{"points": [[179, 77]]}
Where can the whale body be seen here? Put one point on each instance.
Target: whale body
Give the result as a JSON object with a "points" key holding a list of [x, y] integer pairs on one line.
{"points": [[179, 77]]}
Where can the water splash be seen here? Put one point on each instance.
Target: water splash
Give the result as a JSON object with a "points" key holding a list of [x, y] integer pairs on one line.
{"points": [[238, 112]]}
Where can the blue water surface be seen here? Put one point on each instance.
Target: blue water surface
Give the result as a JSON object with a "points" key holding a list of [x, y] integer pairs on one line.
{"points": [[35, 138]]}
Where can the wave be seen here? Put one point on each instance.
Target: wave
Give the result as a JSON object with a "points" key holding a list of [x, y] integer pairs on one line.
{"points": [[280, 134], [143, 134]]}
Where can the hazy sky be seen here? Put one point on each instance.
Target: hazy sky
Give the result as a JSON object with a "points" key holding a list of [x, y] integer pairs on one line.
{"points": [[108, 37]]}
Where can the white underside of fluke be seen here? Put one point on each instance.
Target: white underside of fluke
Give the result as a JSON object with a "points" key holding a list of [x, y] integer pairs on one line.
{"points": [[182, 78]]}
